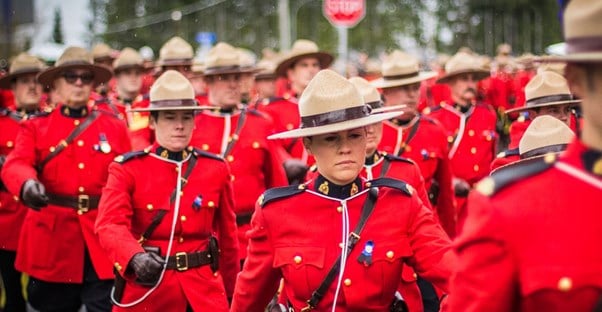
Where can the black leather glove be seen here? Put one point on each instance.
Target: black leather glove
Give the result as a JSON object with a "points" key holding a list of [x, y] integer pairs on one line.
{"points": [[295, 171], [147, 266], [461, 188], [2, 160], [33, 194]]}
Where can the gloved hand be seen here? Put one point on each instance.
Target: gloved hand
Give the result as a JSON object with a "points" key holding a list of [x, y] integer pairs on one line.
{"points": [[147, 266], [461, 188], [295, 171], [33, 194]]}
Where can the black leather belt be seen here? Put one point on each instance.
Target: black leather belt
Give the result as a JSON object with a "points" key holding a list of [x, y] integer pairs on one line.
{"points": [[82, 203], [182, 261], [243, 218]]}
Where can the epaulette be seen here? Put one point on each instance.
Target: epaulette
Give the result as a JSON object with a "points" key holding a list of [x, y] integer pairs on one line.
{"points": [[280, 192], [508, 152], [131, 155], [391, 157], [427, 118], [391, 183], [202, 153], [257, 113], [508, 175]]}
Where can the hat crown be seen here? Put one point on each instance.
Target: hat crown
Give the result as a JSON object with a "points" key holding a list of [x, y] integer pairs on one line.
{"points": [[462, 62], [246, 58], [368, 92], [400, 63], [545, 131], [546, 83], [266, 66], [101, 50], [128, 57], [222, 55], [328, 92], [303, 46], [582, 19], [176, 48], [73, 55], [25, 62], [171, 85]]}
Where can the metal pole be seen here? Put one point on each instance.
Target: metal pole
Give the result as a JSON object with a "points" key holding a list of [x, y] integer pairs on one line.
{"points": [[342, 49], [284, 24]]}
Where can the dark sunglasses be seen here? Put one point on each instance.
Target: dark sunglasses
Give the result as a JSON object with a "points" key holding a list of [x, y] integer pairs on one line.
{"points": [[70, 77]]}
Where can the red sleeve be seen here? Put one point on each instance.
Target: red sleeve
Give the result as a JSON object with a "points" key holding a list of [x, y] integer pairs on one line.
{"points": [[273, 167], [446, 208], [225, 224], [19, 165], [115, 211], [259, 280], [483, 278]]}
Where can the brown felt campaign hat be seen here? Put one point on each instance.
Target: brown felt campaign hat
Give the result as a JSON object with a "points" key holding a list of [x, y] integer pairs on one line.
{"points": [[128, 58], [372, 97], [303, 48], [225, 59], [463, 63], [331, 103], [400, 69], [176, 51], [73, 58], [23, 64], [546, 89]]}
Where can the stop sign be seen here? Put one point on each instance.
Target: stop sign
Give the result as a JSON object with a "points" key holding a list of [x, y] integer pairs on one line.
{"points": [[344, 13]]}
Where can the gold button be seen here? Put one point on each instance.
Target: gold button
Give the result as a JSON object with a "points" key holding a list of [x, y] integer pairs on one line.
{"points": [[489, 138], [415, 275], [473, 150], [339, 209], [177, 169], [181, 193], [235, 136], [205, 147], [475, 168], [80, 166], [565, 284], [232, 178], [79, 212], [450, 139], [549, 158], [340, 245], [118, 266], [255, 144], [297, 259], [471, 132], [9, 144], [76, 122], [149, 207], [368, 184], [230, 158], [211, 204], [181, 239], [347, 282], [408, 148], [289, 126], [80, 189], [390, 254], [52, 149], [16, 198], [183, 218], [80, 143]]}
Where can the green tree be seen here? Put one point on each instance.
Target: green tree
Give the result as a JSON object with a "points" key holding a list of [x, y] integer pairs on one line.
{"points": [[57, 28]]}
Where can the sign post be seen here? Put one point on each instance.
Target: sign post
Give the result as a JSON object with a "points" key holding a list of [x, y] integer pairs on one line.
{"points": [[344, 14]]}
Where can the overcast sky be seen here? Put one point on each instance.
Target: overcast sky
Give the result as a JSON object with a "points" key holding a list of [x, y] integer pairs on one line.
{"points": [[75, 15]]}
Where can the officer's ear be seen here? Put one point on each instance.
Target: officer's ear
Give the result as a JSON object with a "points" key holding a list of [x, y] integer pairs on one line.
{"points": [[307, 144], [152, 120], [576, 77]]}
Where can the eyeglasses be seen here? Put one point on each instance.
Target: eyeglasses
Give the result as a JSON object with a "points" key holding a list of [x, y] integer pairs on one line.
{"points": [[86, 78], [228, 77]]}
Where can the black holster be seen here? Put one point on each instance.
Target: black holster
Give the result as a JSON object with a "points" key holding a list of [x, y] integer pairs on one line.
{"points": [[433, 192], [398, 304], [119, 286], [213, 249]]}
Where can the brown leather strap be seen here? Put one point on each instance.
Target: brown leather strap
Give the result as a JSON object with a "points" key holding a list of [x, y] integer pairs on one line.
{"points": [[81, 202], [182, 261]]}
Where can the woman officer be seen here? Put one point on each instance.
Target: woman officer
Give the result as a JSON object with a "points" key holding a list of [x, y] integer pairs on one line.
{"points": [[161, 211], [338, 241]]}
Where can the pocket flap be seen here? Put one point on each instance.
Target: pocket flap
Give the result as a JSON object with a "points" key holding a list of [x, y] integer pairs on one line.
{"points": [[299, 256]]}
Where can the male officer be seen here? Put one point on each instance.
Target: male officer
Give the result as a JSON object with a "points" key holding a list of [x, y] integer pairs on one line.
{"points": [[527, 242], [57, 169]]}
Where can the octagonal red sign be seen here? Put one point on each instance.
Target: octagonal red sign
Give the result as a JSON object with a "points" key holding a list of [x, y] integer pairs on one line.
{"points": [[344, 13]]}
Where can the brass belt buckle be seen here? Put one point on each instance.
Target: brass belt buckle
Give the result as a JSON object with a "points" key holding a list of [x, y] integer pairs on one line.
{"points": [[181, 261], [83, 204]]}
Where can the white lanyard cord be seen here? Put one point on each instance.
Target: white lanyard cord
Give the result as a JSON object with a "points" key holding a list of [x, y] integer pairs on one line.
{"points": [[345, 241]]}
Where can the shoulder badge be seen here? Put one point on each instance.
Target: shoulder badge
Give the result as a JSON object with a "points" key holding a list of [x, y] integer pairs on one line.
{"points": [[392, 183], [391, 157], [510, 174], [131, 155], [201, 153], [280, 192]]}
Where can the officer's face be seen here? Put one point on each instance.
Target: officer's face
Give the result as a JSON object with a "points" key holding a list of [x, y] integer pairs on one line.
{"points": [[74, 86], [403, 95], [302, 72], [464, 88], [224, 90], [374, 134], [129, 80], [27, 91], [339, 155], [560, 112], [173, 129]]}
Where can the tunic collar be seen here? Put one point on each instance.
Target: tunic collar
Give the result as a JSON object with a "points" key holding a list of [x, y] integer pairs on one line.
{"points": [[74, 112], [330, 189]]}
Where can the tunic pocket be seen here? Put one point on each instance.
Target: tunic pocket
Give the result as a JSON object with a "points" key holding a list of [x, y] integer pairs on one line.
{"points": [[386, 269], [301, 268]]}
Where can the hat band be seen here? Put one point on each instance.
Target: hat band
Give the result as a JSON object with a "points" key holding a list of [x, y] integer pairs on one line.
{"points": [[74, 63], [404, 76], [556, 148], [176, 61], [375, 104], [25, 70], [221, 69], [172, 103], [335, 116], [549, 99], [584, 44]]}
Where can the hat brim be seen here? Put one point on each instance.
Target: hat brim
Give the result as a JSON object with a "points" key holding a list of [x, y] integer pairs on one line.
{"points": [[524, 108], [593, 57], [173, 108], [479, 75], [335, 127], [389, 83], [101, 73], [227, 70], [386, 109], [523, 160], [6, 81], [324, 58]]}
